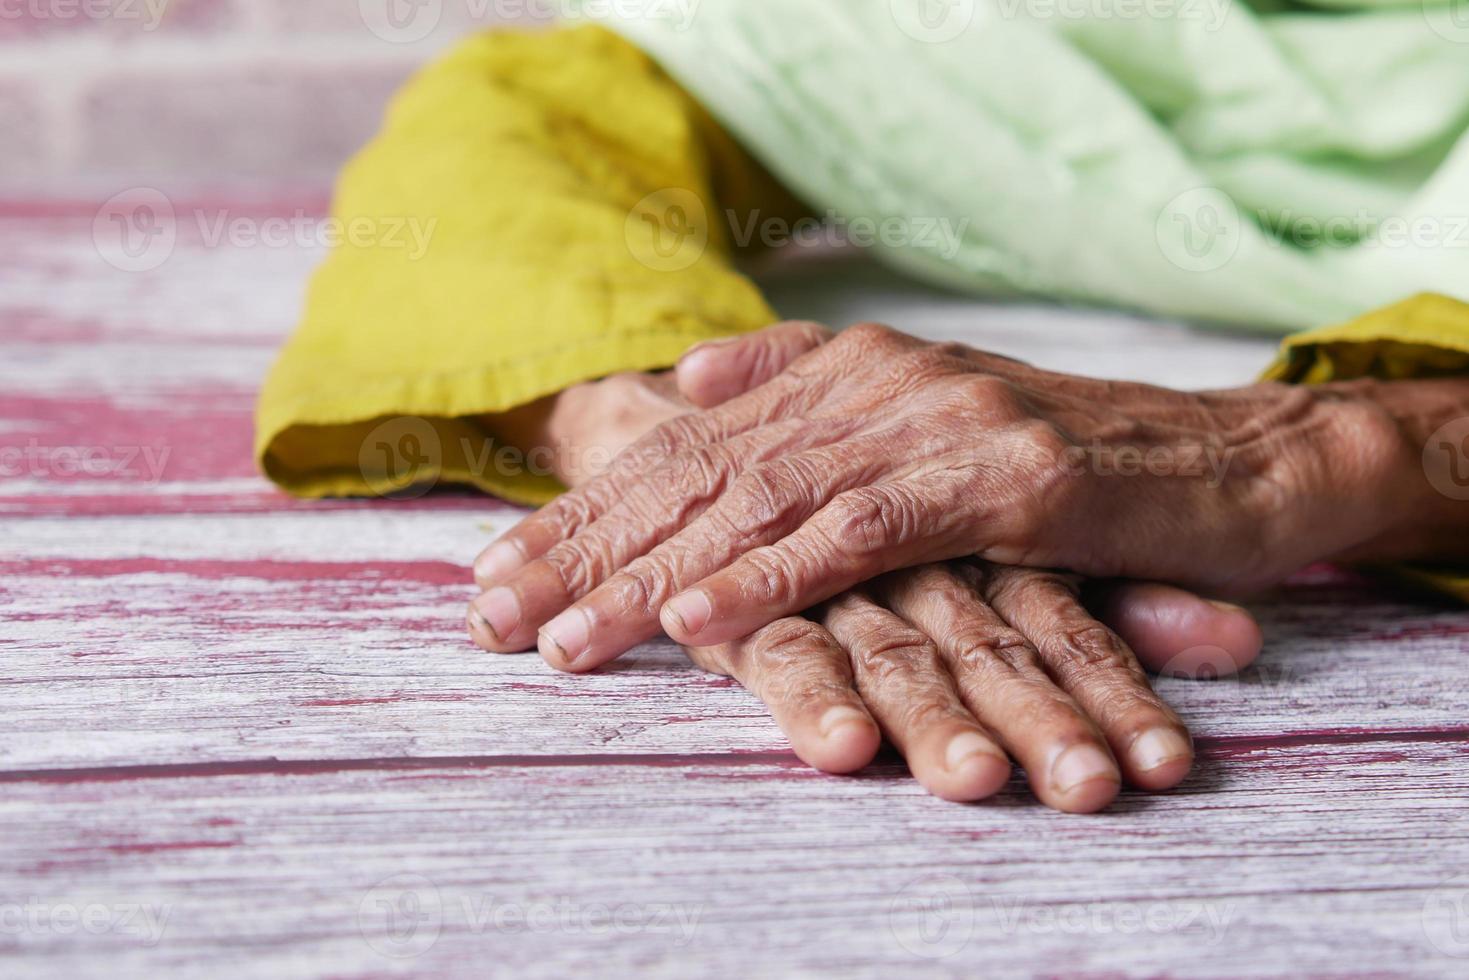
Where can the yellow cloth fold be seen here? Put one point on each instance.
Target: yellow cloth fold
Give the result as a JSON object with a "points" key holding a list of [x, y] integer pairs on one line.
{"points": [[540, 209]]}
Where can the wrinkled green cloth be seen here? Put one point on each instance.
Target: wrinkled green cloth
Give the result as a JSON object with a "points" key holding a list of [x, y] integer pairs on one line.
{"points": [[1276, 166]]}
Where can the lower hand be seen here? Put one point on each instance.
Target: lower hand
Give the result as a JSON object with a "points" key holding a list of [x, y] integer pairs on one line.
{"points": [[965, 667]]}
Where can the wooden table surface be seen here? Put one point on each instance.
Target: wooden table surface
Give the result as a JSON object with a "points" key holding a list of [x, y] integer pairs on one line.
{"points": [[245, 735]]}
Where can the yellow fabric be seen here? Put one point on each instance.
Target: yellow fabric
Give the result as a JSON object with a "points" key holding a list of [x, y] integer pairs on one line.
{"points": [[565, 193], [1425, 336], [573, 203]]}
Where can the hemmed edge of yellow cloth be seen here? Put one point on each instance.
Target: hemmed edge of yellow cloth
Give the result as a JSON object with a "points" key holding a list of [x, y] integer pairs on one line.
{"points": [[341, 432], [1423, 336]]}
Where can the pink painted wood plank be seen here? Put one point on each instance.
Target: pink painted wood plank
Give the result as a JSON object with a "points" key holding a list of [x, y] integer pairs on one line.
{"points": [[291, 640], [1264, 866]]}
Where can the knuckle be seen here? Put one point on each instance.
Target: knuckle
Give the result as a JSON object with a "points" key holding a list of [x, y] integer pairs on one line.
{"points": [[989, 393], [1007, 585], [794, 662], [869, 336], [979, 648], [674, 435], [792, 635], [571, 512], [643, 586], [666, 440], [772, 573], [952, 350], [1013, 587], [703, 469], [1046, 443], [769, 499], [932, 361], [869, 519], [891, 653], [581, 563], [1041, 484], [1090, 648], [918, 365]]}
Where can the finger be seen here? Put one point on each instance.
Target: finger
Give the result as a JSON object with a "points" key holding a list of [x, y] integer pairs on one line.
{"points": [[570, 513], [484, 637], [760, 508], [904, 684], [805, 679], [1094, 666], [714, 372], [788, 394], [858, 535], [513, 611], [509, 614], [1000, 679], [1175, 632]]}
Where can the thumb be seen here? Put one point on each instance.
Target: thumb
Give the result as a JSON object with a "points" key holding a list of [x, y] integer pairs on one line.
{"points": [[718, 370], [1176, 633]]}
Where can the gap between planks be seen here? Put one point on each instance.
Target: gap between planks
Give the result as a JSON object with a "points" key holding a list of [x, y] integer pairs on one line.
{"points": [[1213, 747]]}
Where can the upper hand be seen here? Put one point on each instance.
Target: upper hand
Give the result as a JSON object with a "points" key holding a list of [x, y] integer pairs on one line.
{"points": [[877, 451]]}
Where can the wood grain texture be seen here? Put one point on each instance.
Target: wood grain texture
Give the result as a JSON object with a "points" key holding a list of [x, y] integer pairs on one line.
{"points": [[245, 736]]}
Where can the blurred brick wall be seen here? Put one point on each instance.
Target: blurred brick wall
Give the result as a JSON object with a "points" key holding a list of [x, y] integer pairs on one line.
{"points": [[211, 90]]}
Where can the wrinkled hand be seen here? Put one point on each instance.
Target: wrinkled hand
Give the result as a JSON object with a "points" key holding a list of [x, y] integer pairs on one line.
{"points": [[877, 451], [964, 667], [959, 665]]}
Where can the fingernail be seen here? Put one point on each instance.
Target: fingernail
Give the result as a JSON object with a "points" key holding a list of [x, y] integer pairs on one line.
{"points": [[499, 610], [1158, 746], [692, 610], [1228, 607], [569, 633], [964, 747], [498, 560], [476, 621], [706, 345], [837, 717], [1081, 764]]}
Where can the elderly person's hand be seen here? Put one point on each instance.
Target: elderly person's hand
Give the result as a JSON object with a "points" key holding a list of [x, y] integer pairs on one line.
{"points": [[878, 451], [963, 666]]}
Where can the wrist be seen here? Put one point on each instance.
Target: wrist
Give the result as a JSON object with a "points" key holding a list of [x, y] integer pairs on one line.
{"points": [[1414, 456]]}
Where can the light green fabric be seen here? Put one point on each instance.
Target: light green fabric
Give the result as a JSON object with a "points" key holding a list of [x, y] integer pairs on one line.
{"points": [[1195, 158]]}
